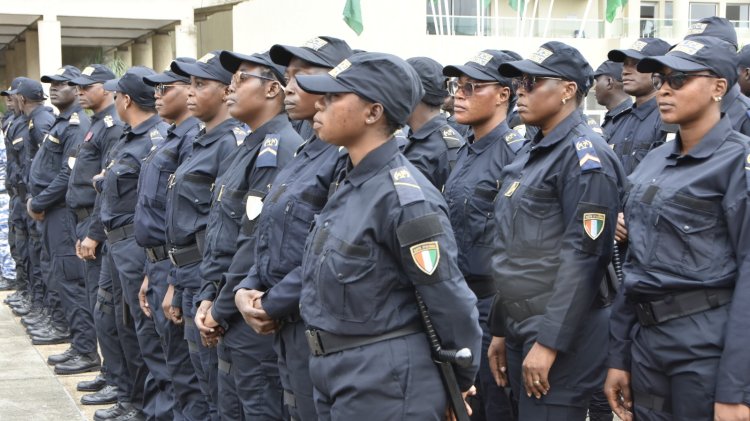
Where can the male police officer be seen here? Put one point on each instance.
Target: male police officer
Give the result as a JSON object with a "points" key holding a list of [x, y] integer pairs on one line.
{"points": [[609, 93], [743, 69]]}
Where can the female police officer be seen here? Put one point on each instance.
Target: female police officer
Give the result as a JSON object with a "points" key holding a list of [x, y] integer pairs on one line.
{"points": [[555, 218], [382, 234], [675, 329]]}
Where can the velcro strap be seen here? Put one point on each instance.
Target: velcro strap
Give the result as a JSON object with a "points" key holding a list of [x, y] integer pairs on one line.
{"points": [[83, 213], [107, 296], [651, 401], [323, 343], [185, 255], [683, 304], [121, 233], [482, 286], [419, 229], [157, 254], [104, 308], [523, 309]]}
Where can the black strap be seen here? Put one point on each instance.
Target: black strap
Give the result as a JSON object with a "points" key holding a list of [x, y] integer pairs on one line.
{"points": [[651, 401], [83, 213], [224, 366], [119, 234], [157, 254], [523, 309], [184, 256], [106, 296], [481, 286], [651, 313], [323, 343]]}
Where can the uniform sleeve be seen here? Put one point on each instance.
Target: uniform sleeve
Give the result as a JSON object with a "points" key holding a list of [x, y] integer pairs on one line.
{"points": [[428, 255], [283, 298], [622, 320], [251, 281], [583, 257], [55, 191], [242, 262], [96, 228]]}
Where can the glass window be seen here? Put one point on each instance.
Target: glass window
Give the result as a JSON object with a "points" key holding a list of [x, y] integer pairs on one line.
{"points": [[668, 13], [739, 15], [648, 20], [699, 11]]}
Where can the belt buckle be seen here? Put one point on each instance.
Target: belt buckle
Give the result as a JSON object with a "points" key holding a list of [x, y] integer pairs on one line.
{"points": [[646, 314], [313, 341], [171, 256]]}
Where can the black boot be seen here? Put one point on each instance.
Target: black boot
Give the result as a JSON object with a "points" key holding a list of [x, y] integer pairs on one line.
{"points": [[62, 357], [56, 335], [79, 363], [107, 395], [112, 412], [92, 385]]}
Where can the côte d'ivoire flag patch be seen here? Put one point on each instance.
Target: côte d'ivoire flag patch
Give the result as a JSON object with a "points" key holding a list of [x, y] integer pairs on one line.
{"points": [[426, 256], [593, 224]]}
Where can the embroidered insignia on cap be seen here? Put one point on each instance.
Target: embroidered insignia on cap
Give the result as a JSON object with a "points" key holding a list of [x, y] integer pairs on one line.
{"points": [[206, 58], [593, 224], [482, 58], [340, 68], [407, 189], [71, 162], [587, 157], [426, 256], [638, 46], [511, 189], [540, 55], [316, 44], [74, 119], [108, 121], [697, 28], [60, 71], [514, 140], [88, 71], [688, 47], [253, 207], [17, 141], [268, 152]]}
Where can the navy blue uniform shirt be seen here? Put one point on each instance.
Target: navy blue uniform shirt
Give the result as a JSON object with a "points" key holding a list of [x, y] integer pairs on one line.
{"points": [[40, 121], [14, 136], [156, 172], [50, 169], [688, 220], [613, 117], [382, 234], [637, 132], [555, 214], [737, 107], [433, 149]]}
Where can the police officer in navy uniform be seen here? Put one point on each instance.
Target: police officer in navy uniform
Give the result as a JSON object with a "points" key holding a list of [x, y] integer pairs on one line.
{"points": [[256, 98], [555, 216], [157, 170], [134, 101], [382, 237], [610, 94], [678, 347], [48, 182], [433, 144], [268, 296], [641, 128], [743, 70], [482, 100], [106, 128]]}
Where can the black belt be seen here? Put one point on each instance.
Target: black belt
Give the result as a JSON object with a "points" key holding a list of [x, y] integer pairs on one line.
{"points": [[481, 286], [83, 213], [682, 304], [157, 254], [185, 255], [523, 309], [323, 343], [119, 234]]}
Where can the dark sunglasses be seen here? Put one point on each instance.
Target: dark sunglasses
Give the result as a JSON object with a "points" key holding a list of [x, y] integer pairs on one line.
{"points": [[676, 80], [528, 83]]}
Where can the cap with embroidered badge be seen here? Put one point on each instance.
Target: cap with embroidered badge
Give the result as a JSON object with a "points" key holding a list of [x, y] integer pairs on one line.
{"points": [[483, 66], [430, 73], [696, 54], [206, 67], [320, 51], [30, 89], [13, 85], [610, 68], [554, 59], [231, 62], [168, 76], [91, 74], [376, 77], [132, 84], [714, 26], [643, 47], [63, 74]]}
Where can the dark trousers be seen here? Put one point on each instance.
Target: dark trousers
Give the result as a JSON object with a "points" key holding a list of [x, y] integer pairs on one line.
{"points": [[116, 373], [205, 360], [294, 368], [13, 231]]}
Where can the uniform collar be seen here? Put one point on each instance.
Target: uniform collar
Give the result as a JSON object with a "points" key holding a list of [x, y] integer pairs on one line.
{"points": [[429, 127], [143, 127], [205, 138], [110, 110], [181, 129], [642, 111], [560, 132], [732, 94], [313, 147], [74, 108], [707, 146], [273, 125], [621, 108], [38, 110], [371, 163], [481, 145]]}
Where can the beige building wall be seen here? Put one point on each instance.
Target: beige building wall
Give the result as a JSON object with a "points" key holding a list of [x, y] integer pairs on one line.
{"points": [[215, 33]]}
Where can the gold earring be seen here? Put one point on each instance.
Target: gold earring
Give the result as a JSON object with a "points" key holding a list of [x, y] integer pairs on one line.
{"points": [[564, 100]]}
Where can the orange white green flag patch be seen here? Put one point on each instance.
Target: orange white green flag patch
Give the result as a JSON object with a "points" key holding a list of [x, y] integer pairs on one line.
{"points": [[593, 224], [426, 256]]}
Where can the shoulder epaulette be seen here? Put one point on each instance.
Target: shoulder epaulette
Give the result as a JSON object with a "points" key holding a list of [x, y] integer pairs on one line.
{"points": [[521, 129], [514, 140], [451, 137], [407, 189], [155, 135], [31, 124], [343, 151], [239, 135], [268, 154], [593, 125], [587, 156], [108, 120], [51, 138], [17, 140], [74, 119]]}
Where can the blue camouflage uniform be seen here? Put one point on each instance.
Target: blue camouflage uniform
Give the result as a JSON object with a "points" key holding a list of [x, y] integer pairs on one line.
{"points": [[7, 236]]}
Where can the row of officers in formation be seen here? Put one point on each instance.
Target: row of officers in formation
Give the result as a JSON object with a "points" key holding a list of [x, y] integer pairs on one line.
{"points": [[244, 237]]}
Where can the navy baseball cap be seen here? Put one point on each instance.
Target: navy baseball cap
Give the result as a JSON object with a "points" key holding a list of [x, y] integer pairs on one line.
{"points": [[13, 86], [132, 84], [610, 68], [320, 51], [168, 76], [714, 26], [643, 47], [554, 59], [430, 73], [63, 74], [696, 54], [743, 57], [206, 67], [91, 74], [377, 77], [29, 88], [231, 62], [483, 66]]}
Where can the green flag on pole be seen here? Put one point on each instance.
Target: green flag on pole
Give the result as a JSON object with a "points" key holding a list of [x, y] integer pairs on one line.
{"points": [[353, 16], [612, 6], [514, 4]]}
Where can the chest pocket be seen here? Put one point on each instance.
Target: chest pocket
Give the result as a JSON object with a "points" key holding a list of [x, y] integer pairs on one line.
{"points": [[122, 185], [480, 215], [161, 166], [231, 210], [298, 217], [537, 222], [345, 284], [52, 154], [193, 201]]}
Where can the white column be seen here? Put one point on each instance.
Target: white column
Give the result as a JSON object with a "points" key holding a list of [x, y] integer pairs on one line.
{"points": [[161, 46], [681, 18], [186, 44], [49, 45], [143, 53], [32, 54], [634, 18], [125, 55]]}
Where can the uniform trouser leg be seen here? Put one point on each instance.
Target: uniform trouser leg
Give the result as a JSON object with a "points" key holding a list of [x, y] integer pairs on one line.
{"points": [[205, 360], [66, 275], [395, 380], [229, 405], [293, 361], [190, 404], [130, 259], [254, 370], [675, 365], [574, 376], [6, 256], [495, 402], [19, 249], [40, 268]]}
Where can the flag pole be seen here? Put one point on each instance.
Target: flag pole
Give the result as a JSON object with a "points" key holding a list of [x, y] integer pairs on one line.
{"points": [[585, 17], [533, 18], [434, 18]]}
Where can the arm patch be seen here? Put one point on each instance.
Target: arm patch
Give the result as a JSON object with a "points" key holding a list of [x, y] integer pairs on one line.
{"points": [[514, 140], [451, 138], [587, 156], [419, 229], [406, 186], [267, 157]]}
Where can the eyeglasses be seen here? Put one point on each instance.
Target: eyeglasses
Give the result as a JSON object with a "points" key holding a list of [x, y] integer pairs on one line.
{"points": [[161, 88], [676, 79], [528, 83], [240, 77], [468, 88]]}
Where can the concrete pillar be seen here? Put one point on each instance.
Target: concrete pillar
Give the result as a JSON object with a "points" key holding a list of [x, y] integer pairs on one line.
{"points": [[20, 59], [50, 45], [10, 63], [681, 19], [143, 53], [186, 41], [125, 55], [32, 54], [634, 18], [108, 56], [161, 46]]}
